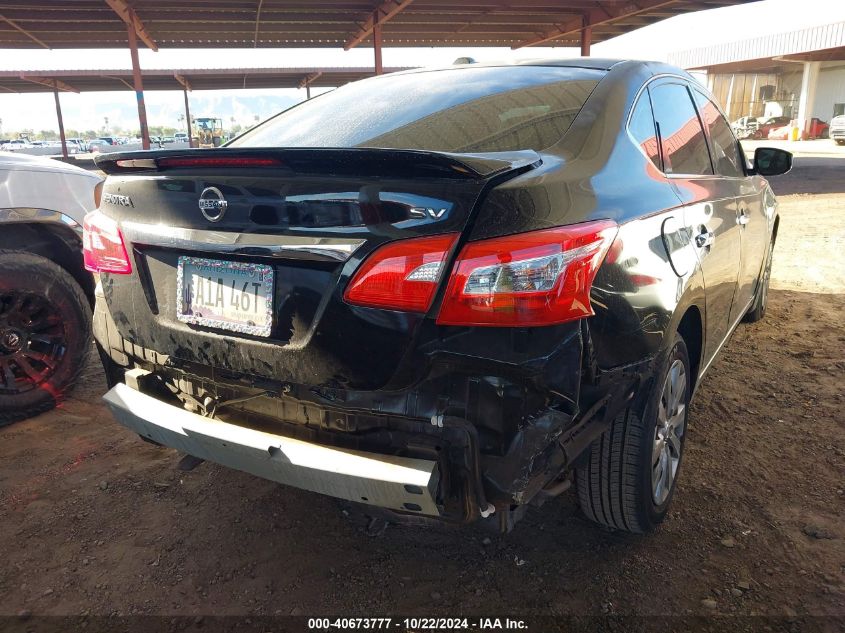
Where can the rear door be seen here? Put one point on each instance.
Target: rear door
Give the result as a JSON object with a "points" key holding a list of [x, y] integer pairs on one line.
{"points": [[710, 203], [751, 217]]}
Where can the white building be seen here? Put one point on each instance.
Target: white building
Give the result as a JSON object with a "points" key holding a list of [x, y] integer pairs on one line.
{"points": [[797, 74]]}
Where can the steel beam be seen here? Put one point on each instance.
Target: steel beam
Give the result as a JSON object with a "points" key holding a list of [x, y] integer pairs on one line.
{"points": [[188, 118], [128, 15], [22, 30], [55, 84], [61, 122], [586, 36], [137, 80], [379, 68], [121, 80], [596, 17], [257, 23], [310, 78], [183, 81], [382, 13]]}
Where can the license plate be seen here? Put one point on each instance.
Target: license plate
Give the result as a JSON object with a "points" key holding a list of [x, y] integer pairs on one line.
{"points": [[233, 296]]}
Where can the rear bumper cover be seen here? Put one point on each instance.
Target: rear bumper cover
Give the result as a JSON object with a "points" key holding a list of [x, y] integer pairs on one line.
{"points": [[398, 483]]}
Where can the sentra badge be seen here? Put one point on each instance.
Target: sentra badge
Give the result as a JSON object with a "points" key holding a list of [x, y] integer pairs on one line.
{"points": [[121, 201]]}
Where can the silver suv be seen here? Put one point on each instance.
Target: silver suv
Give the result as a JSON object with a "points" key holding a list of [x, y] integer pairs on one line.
{"points": [[45, 293]]}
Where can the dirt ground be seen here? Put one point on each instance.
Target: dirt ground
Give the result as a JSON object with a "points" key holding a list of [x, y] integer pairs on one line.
{"points": [[94, 521]]}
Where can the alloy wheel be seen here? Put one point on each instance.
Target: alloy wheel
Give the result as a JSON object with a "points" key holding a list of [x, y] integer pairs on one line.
{"points": [[669, 431], [33, 341]]}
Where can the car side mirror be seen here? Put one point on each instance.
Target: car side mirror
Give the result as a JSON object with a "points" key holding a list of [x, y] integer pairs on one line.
{"points": [[769, 161]]}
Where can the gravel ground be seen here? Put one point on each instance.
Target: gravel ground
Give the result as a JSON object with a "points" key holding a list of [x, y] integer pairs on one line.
{"points": [[93, 521]]}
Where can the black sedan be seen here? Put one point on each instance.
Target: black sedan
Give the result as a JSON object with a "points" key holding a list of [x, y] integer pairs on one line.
{"points": [[449, 293]]}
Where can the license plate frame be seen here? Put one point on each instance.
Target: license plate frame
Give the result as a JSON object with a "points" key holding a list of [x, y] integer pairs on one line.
{"points": [[186, 308]]}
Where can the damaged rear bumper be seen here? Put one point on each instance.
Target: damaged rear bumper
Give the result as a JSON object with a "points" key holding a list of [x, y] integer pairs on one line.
{"points": [[397, 483]]}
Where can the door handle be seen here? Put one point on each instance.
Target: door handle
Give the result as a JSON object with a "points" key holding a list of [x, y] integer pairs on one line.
{"points": [[705, 239]]}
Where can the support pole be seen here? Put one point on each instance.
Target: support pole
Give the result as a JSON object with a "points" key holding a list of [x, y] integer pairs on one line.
{"points": [[807, 98], [729, 99], [188, 118], [377, 43], [61, 122], [139, 84], [586, 36], [308, 91]]}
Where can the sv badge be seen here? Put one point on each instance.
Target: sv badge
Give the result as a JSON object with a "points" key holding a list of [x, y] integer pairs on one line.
{"points": [[427, 212]]}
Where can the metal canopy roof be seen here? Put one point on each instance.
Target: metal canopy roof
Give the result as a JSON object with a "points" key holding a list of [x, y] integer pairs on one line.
{"points": [[824, 42], [192, 79], [327, 23]]}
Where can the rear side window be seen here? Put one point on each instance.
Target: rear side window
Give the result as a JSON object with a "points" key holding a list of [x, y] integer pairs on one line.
{"points": [[642, 128], [681, 136], [485, 109], [726, 154]]}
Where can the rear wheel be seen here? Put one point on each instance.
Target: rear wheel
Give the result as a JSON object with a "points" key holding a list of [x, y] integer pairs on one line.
{"points": [[45, 334], [840, 141], [758, 309], [630, 478]]}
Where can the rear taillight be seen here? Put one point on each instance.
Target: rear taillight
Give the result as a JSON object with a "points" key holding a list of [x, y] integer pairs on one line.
{"points": [[401, 275], [530, 279], [103, 248]]}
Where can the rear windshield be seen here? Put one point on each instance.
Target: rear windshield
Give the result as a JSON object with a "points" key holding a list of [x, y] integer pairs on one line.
{"points": [[479, 109]]}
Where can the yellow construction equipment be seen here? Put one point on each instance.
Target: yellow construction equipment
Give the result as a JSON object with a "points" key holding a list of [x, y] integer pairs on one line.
{"points": [[209, 131]]}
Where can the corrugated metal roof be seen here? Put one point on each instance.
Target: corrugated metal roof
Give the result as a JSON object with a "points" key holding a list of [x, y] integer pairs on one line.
{"points": [[807, 40], [196, 78], [327, 23]]}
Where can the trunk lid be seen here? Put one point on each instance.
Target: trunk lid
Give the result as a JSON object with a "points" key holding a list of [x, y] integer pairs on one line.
{"points": [[310, 216]]}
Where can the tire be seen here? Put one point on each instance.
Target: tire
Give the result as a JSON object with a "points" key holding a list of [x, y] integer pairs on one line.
{"points": [[840, 141], [45, 334], [758, 309], [623, 485]]}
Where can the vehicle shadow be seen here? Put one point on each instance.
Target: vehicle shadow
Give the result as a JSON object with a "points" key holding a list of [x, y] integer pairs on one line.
{"points": [[812, 175]]}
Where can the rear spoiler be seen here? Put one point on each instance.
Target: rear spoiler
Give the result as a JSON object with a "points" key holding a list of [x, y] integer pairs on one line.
{"points": [[334, 161]]}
